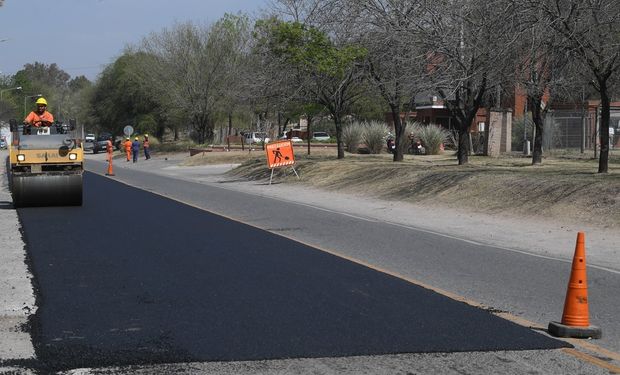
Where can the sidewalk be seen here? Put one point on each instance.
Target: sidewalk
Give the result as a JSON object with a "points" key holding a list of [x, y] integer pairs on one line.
{"points": [[541, 238]]}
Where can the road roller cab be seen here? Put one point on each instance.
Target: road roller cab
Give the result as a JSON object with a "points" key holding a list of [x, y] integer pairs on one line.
{"points": [[46, 165]]}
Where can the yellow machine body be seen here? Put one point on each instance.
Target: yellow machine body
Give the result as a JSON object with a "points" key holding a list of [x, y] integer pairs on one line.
{"points": [[46, 169]]}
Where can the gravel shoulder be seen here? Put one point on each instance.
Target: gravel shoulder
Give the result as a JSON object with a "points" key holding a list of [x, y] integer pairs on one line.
{"points": [[17, 300]]}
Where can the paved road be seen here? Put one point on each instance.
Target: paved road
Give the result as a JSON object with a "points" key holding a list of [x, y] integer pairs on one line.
{"points": [[525, 285], [136, 278], [301, 222]]}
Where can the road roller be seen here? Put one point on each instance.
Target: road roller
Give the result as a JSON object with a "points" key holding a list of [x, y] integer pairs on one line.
{"points": [[46, 165]]}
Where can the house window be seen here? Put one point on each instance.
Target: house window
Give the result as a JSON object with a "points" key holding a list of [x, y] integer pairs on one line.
{"points": [[481, 126]]}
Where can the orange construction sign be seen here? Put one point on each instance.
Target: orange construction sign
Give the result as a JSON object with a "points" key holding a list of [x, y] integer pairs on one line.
{"points": [[280, 154]]}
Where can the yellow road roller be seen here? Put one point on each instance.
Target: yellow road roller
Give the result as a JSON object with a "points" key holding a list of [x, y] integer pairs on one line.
{"points": [[46, 165]]}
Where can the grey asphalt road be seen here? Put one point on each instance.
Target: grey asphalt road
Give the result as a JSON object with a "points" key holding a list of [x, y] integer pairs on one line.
{"points": [[165, 282], [523, 285], [378, 245]]}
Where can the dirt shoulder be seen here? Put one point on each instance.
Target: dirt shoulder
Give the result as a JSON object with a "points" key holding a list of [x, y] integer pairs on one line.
{"points": [[568, 189]]}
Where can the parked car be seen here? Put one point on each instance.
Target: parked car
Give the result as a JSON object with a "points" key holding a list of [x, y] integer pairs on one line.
{"points": [[255, 137], [101, 143], [3, 144], [320, 136], [89, 142], [296, 139]]}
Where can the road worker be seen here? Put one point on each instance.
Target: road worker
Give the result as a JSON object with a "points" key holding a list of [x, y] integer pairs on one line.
{"points": [[40, 117], [145, 145], [127, 145], [109, 149], [135, 149]]}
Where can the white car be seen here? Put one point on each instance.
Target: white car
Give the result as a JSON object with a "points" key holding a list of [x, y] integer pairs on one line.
{"points": [[320, 136], [89, 142], [255, 137], [296, 139]]}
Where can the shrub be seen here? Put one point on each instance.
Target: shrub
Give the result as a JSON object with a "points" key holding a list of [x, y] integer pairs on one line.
{"points": [[432, 137], [374, 136], [352, 136]]}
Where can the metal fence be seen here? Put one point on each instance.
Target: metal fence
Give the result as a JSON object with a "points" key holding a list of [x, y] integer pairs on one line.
{"points": [[575, 129]]}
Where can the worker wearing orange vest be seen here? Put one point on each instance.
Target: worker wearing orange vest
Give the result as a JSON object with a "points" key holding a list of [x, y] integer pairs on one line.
{"points": [[127, 145], [40, 117], [145, 145], [109, 149]]}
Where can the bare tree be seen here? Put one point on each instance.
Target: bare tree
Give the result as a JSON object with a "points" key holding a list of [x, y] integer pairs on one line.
{"points": [[394, 63], [590, 30], [304, 11], [187, 68], [540, 68], [467, 43], [238, 33]]}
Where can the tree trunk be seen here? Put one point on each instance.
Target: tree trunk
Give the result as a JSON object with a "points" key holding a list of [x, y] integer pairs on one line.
{"points": [[463, 150], [338, 124], [398, 130], [464, 121], [603, 161], [308, 131], [538, 118], [229, 123], [279, 123]]}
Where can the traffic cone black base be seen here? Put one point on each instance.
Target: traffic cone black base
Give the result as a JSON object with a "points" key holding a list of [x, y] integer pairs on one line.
{"points": [[558, 329]]}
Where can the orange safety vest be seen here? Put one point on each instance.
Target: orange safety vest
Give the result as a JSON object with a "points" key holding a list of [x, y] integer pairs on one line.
{"points": [[127, 145], [145, 143], [109, 146], [35, 119]]}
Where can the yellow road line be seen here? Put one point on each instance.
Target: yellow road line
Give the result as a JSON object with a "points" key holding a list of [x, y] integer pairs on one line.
{"points": [[613, 369]]}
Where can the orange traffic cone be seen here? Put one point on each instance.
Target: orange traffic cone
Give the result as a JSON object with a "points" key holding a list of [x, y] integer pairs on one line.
{"points": [[576, 316], [110, 170]]}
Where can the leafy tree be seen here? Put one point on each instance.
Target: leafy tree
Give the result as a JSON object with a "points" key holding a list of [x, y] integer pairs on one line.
{"points": [[10, 106], [49, 75], [79, 83], [119, 99], [327, 74]]}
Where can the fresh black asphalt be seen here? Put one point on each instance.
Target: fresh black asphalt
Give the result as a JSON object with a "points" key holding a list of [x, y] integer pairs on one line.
{"points": [[134, 278]]}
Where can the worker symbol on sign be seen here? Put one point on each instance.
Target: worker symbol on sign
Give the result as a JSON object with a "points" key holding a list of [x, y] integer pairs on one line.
{"points": [[277, 155]]}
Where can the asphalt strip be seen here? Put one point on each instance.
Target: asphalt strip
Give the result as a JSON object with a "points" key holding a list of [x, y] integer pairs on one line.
{"points": [[135, 278]]}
